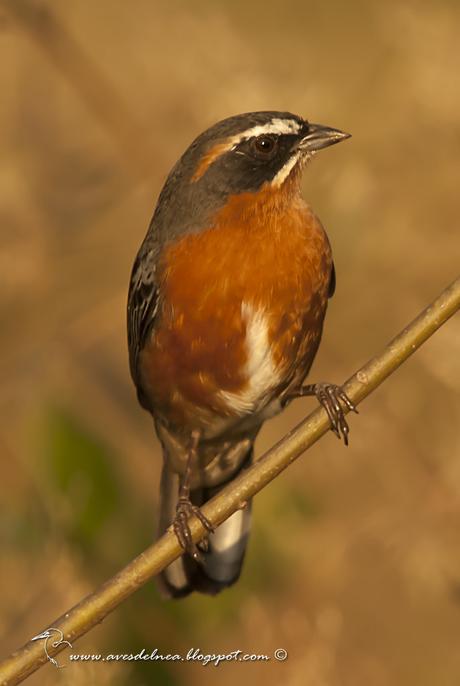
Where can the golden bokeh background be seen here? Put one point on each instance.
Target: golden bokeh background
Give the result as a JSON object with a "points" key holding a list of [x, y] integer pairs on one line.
{"points": [[354, 561]]}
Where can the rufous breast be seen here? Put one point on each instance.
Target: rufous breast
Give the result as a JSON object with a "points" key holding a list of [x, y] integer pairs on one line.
{"points": [[242, 309]]}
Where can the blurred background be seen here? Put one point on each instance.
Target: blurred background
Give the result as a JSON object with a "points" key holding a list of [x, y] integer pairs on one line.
{"points": [[354, 561]]}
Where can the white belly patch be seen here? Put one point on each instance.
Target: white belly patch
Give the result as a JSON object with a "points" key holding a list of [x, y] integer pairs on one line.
{"points": [[260, 371]]}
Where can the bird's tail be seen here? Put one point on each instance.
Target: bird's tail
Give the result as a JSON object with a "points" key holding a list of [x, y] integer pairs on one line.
{"points": [[222, 562]]}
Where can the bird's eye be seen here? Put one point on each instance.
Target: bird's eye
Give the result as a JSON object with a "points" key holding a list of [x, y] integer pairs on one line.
{"points": [[264, 145]]}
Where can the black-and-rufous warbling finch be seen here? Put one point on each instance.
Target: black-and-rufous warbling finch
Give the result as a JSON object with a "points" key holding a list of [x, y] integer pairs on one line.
{"points": [[227, 300]]}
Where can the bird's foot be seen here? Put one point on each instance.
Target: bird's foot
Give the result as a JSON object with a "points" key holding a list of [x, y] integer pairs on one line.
{"points": [[330, 396], [185, 508]]}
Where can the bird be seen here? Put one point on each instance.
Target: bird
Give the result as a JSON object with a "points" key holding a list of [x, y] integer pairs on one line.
{"points": [[226, 304]]}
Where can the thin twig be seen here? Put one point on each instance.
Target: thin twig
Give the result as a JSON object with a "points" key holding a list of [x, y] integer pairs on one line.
{"points": [[95, 607]]}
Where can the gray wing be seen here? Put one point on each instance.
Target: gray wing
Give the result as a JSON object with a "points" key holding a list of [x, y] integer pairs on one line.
{"points": [[142, 308]]}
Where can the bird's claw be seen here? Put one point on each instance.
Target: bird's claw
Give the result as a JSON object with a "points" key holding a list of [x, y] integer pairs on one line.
{"points": [[330, 396], [181, 528]]}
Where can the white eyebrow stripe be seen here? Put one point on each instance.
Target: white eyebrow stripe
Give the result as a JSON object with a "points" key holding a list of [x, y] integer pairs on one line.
{"points": [[276, 126]]}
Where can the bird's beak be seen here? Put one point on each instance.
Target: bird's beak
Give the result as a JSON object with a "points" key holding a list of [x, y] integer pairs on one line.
{"points": [[319, 137]]}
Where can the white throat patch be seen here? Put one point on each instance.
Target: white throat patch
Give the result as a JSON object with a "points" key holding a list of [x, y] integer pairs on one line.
{"points": [[284, 172]]}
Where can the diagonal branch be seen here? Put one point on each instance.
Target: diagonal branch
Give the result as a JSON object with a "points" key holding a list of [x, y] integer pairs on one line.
{"points": [[95, 607]]}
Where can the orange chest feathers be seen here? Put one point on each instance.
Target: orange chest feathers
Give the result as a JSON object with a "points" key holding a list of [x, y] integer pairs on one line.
{"points": [[242, 309]]}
